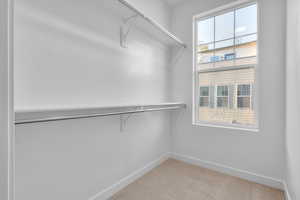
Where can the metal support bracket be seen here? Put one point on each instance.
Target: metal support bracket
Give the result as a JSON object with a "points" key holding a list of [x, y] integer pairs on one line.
{"points": [[176, 54], [123, 121], [125, 29]]}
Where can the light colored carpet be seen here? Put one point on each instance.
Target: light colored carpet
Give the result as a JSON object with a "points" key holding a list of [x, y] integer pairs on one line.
{"points": [[175, 180]]}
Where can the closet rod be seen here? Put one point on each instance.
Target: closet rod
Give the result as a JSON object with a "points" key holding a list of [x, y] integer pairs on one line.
{"points": [[155, 24], [61, 118]]}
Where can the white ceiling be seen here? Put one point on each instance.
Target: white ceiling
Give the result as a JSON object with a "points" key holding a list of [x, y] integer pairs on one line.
{"points": [[174, 2]]}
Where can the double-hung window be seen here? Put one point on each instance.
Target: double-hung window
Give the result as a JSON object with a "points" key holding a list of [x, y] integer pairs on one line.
{"points": [[222, 96], [225, 61], [204, 96], [244, 96]]}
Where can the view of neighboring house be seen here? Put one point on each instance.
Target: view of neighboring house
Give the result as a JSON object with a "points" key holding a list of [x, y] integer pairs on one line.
{"points": [[226, 62]]}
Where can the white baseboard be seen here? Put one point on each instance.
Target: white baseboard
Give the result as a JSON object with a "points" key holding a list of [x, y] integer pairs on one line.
{"points": [[231, 171], [286, 192], [110, 191]]}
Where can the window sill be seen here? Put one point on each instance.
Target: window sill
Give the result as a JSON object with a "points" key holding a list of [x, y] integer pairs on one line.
{"points": [[248, 129]]}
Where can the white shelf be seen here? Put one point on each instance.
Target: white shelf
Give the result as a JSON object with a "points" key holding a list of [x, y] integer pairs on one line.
{"points": [[124, 9], [58, 114]]}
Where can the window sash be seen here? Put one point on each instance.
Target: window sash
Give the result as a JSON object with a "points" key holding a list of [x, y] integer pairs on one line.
{"points": [[234, 10]]}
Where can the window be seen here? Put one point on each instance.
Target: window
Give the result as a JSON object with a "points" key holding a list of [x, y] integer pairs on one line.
{"points": [[204, 96], [222, 96], [225, 52], [243, 96]]}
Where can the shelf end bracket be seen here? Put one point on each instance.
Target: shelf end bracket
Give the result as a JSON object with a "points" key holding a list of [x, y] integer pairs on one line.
{"points": [[125, 29], [123, 121]]}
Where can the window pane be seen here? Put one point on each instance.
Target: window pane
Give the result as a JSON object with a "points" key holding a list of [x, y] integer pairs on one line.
{"points": [[204, 91], [203, 48], [205, 58], [204, 102], [246, 20], [246, 46], [227, 108], [224, 44], [205, 52], [246, 39], [222, 102], [206, 31], [222, 91], [243, 102], [224, 26], [243, 90], [224, 52]]}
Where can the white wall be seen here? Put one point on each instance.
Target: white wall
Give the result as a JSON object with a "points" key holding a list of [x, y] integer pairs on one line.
{"points": [[6, 102], [293, 98], [4, 145], [263, 152], [67, 54], [70, 55], [158, 10]]}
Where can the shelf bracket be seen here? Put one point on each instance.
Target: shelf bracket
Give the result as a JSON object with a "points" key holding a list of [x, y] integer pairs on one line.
{"points": [[123, 121], [177, 54], [125, 29]]}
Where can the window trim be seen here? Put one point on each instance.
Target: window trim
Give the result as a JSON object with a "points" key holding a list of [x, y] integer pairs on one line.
{"points": [[195, 83], [224, 9]]}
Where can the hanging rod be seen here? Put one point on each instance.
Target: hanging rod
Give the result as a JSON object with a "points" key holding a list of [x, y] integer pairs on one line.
{"points": [[30, 117], [153, 23]]}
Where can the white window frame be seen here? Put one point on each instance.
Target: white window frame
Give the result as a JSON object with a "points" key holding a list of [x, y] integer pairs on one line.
{"points": [[205, 15]]}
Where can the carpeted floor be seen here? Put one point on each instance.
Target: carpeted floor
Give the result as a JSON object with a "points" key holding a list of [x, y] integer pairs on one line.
{"points": [[175, 180]]}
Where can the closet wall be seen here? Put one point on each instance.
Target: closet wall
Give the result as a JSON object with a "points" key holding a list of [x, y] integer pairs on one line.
{"points": [[259, 155], [6, 107], [293, 98], [67, 55]]}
